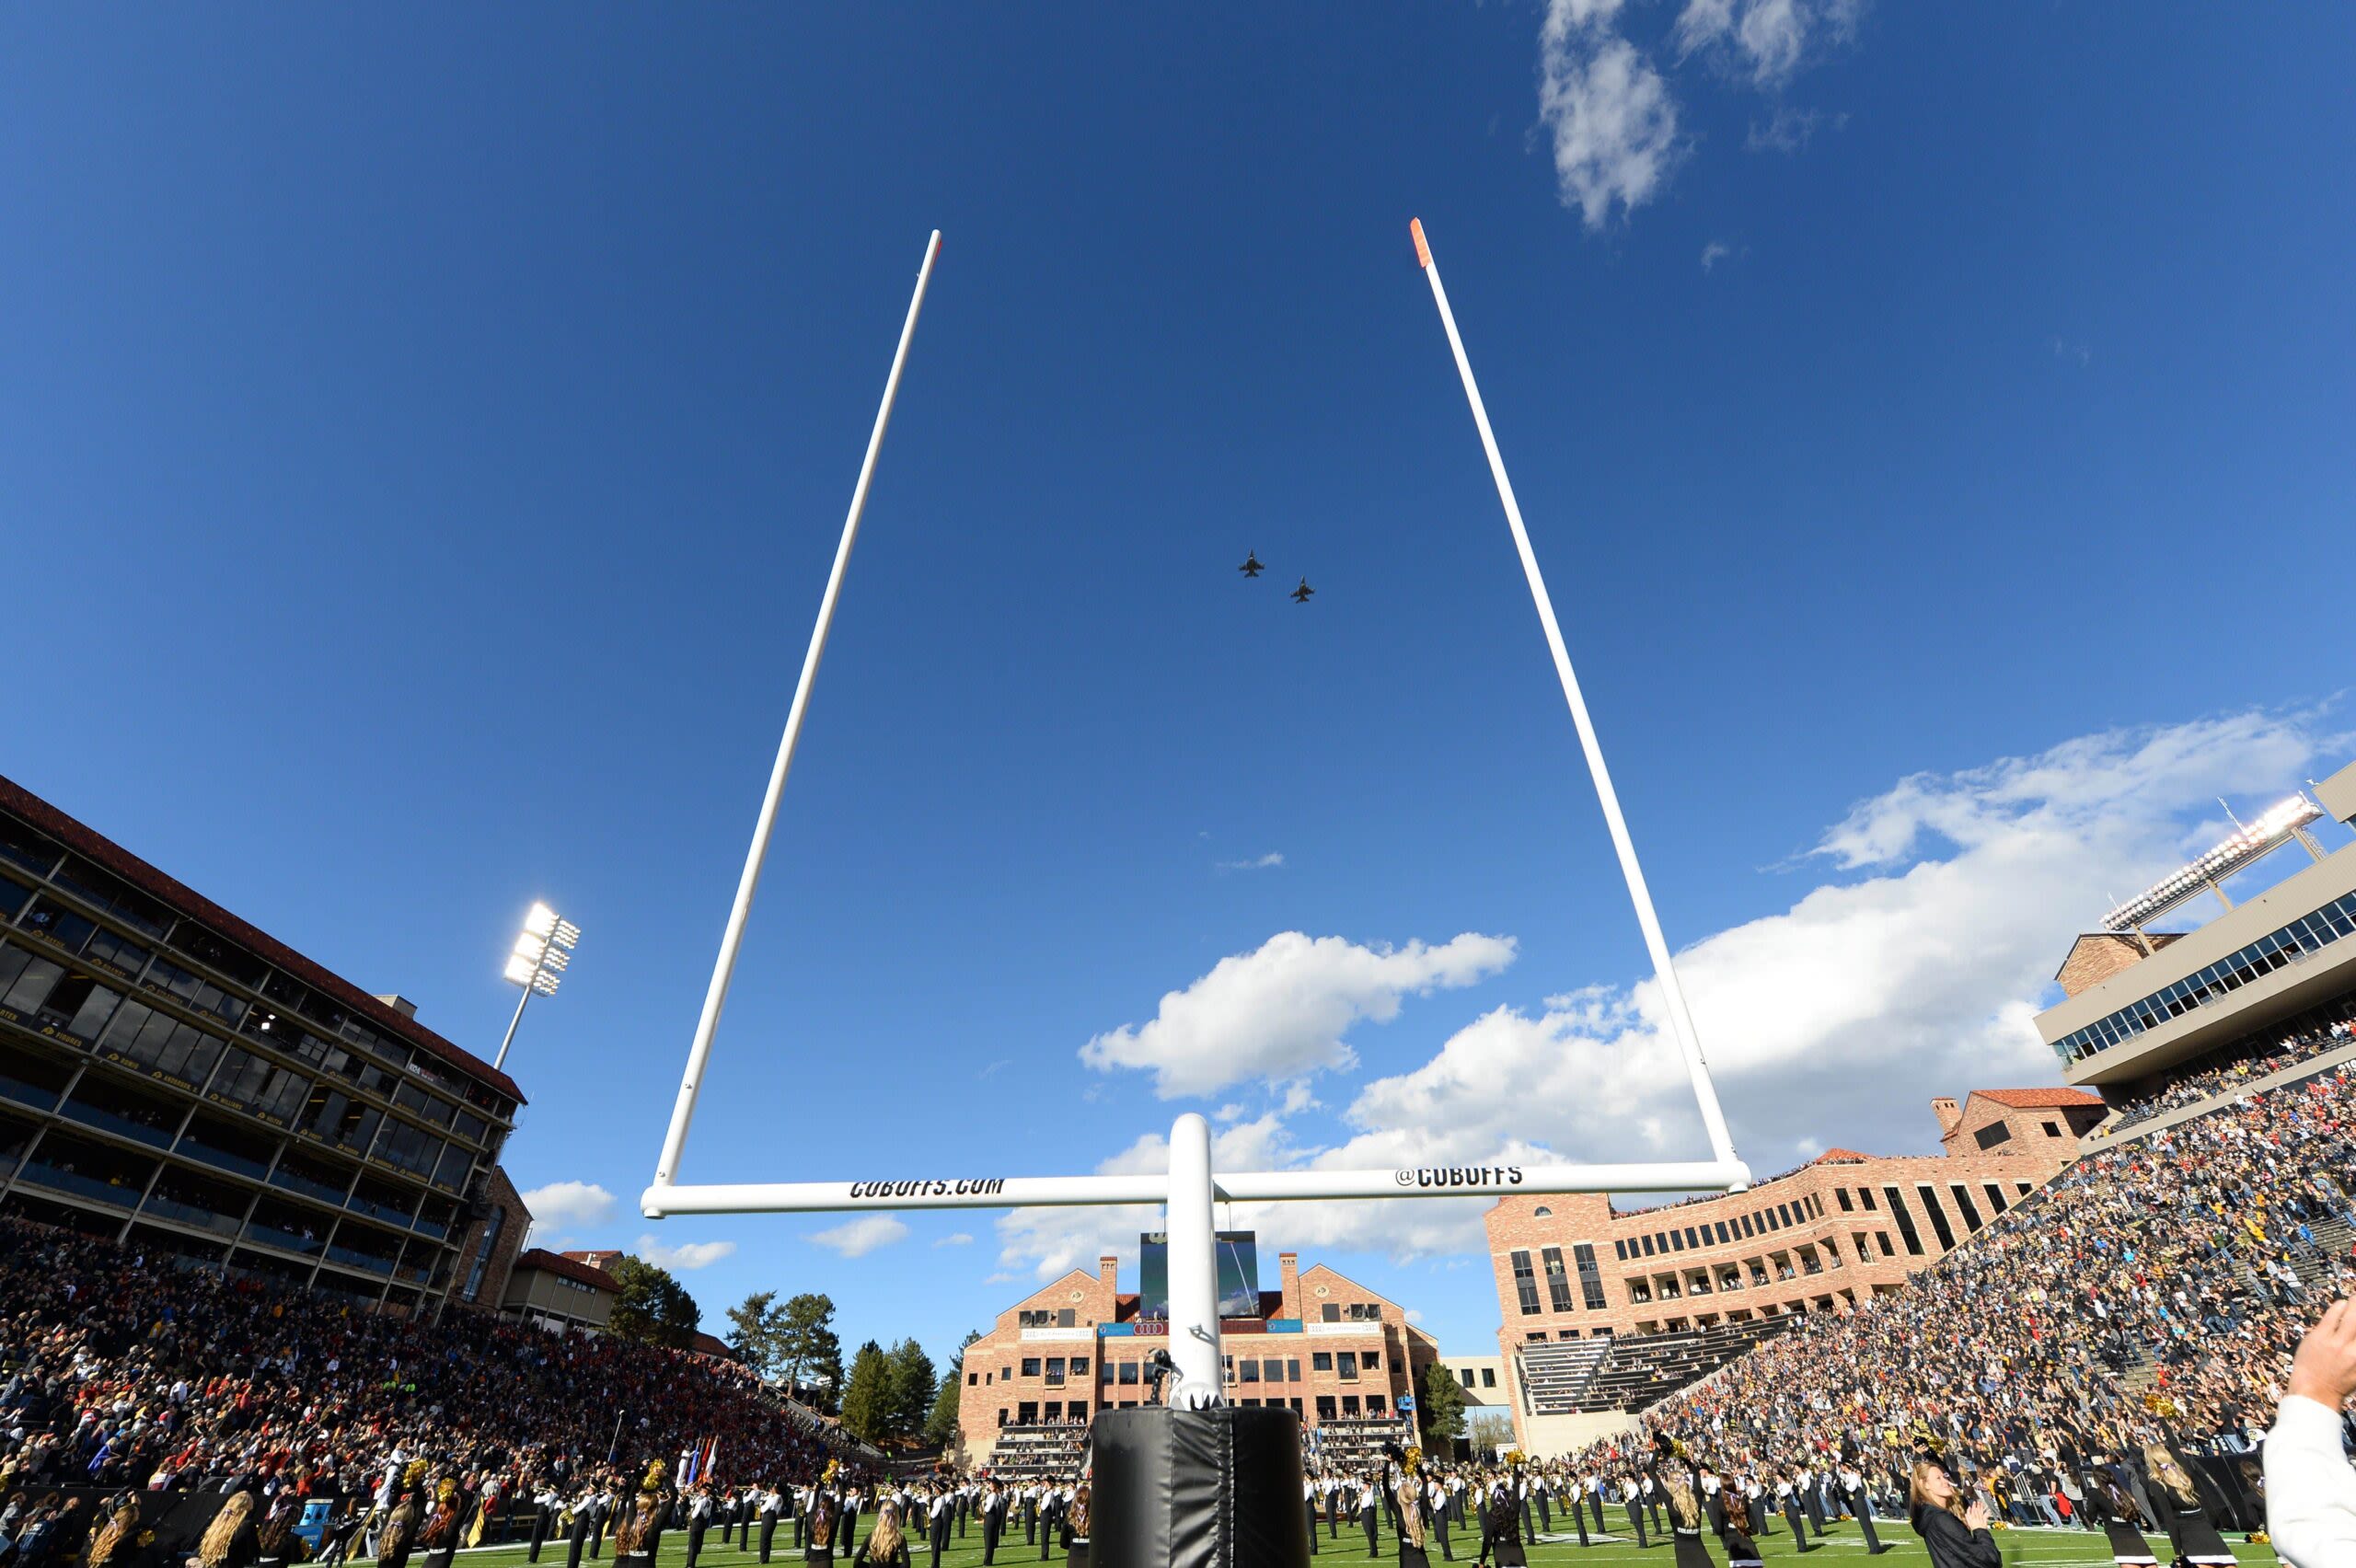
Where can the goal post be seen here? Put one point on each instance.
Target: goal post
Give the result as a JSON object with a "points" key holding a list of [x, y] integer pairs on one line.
{"points": [[1191, 1186]]}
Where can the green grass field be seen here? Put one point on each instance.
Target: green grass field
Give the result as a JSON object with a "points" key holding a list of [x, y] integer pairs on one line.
{"points": [[1842, 1549]]}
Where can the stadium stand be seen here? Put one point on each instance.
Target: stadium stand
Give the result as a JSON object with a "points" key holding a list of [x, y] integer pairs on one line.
{"points": [[1571, 1377], [125, 1369], [2169, 1276]]}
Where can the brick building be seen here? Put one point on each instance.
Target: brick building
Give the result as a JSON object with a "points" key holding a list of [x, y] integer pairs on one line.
{"points": [[1322, 1346], [557, 1291], [173, 1077], [1671, 1292]]}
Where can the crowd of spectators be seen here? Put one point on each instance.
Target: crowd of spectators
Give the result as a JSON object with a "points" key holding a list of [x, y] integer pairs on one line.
{"points": [[2231, 1073], [2152, 1290], [124, 1370]]}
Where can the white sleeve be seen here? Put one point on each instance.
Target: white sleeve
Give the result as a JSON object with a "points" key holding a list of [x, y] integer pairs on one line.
{"points": [[2310, 1490]]}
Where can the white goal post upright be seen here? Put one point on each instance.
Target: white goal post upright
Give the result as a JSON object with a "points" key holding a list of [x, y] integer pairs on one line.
{"points": [[1672, 995], [1191, 1186], [732, 938]]}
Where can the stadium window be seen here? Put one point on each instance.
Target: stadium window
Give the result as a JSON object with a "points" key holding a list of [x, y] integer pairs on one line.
{"points": [[1620, 1250], [1030, 1366], [1866, 1196], [1292, 1375], [1371, 1359], [1721, 1228], [1938, 1213], [972, 1379], [1690, 1239], [1783, 1212], [1055, 1370], [2023, 1188], [1055, 1410], [1464, 1375], [1676, 1241], [1064, 1319], [1748, 1232], [1525, 1284], [1864, 1253], [1996, 1195], [1991, 1134], [1558, 1280], [1227, 1364], [1647, 1240], [1349, 1406], [1333, 1312], [1905, 1221], [1374, 1404], [1842, 1195], [1250, 1369], [1965, 1207], [2052, 1129], [1345, 1366], [1883, 1237], [1536, 1337], [1541, 1212], [1488, 1377], [1590, 1277], [1321, 1361], [1079, 1365]]}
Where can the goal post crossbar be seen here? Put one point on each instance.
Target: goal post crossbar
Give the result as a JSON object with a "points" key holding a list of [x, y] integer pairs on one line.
{"points": [[885, 1194]]}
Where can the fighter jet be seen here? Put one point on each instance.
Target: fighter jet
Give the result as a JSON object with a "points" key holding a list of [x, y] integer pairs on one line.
{"points": [[1300, 594], [1251, 566]]}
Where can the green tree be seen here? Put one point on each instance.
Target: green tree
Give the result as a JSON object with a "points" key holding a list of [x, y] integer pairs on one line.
{"points": [[941, 1425], [806, 1348], [754, 1332], [1441, 1409], [651, 1306], [867, 1398], [911, 1386]]}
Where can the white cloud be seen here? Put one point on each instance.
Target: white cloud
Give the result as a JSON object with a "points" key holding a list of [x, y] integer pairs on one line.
{"points": [[1608, 113], [856, 1239], [1767, 41], [1788, 129], [561, 1207], [1714, 252], [2076, 353], [1915, 968], [956, 1239], [1279, 1013], [1268, 861], [687, 1255]]}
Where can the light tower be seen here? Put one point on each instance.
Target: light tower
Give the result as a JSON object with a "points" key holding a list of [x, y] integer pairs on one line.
{"points": [[543, 952]]}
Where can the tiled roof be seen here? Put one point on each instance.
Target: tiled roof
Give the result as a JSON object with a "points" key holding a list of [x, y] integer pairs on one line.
{"points": [[102, 851], [567, 1268], [2040, 1098], [1838, 1155]]}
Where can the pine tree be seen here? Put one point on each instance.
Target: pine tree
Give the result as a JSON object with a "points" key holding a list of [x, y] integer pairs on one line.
{"points": [[1441, 1409], [911, 1388], [867, 1396], [754, 1335]]}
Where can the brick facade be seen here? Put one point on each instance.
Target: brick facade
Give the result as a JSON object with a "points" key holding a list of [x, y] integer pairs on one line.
{"points": [[1323, 1345], [2037, 1121], [2095, 956], [1838, 1230], [503, 1228]]}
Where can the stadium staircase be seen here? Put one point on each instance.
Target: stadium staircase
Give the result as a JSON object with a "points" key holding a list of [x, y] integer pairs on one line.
{"points": [[1582, 1376]]}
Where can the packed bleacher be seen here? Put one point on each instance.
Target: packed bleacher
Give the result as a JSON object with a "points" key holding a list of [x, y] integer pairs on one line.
{"points": [[2166, 1280], [2230, 1072], [124, 1370]]}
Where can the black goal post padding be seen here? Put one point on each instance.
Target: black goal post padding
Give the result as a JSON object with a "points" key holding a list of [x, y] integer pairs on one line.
{"points": [[1197, 1489]]}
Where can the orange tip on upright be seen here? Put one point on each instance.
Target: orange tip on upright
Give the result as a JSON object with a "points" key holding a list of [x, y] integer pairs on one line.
{"points": [[1423, 251]]}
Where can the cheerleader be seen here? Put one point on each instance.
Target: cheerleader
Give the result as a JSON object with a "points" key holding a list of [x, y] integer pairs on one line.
{"points": [[1407, 1499], [2121, 1522], [1741, 1550], [2184, 1509], [1673, 1475]]}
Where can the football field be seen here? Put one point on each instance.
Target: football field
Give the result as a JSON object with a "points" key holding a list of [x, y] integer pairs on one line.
{"points": [[1842, 1549]]}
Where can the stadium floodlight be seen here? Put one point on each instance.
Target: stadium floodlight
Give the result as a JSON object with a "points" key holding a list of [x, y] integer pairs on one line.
{"points": [[2208, 870], [1190, 1187], [543, 952]]}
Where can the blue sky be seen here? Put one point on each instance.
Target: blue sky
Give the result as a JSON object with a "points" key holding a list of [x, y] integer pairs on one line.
{"points": [[426, 435]]}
